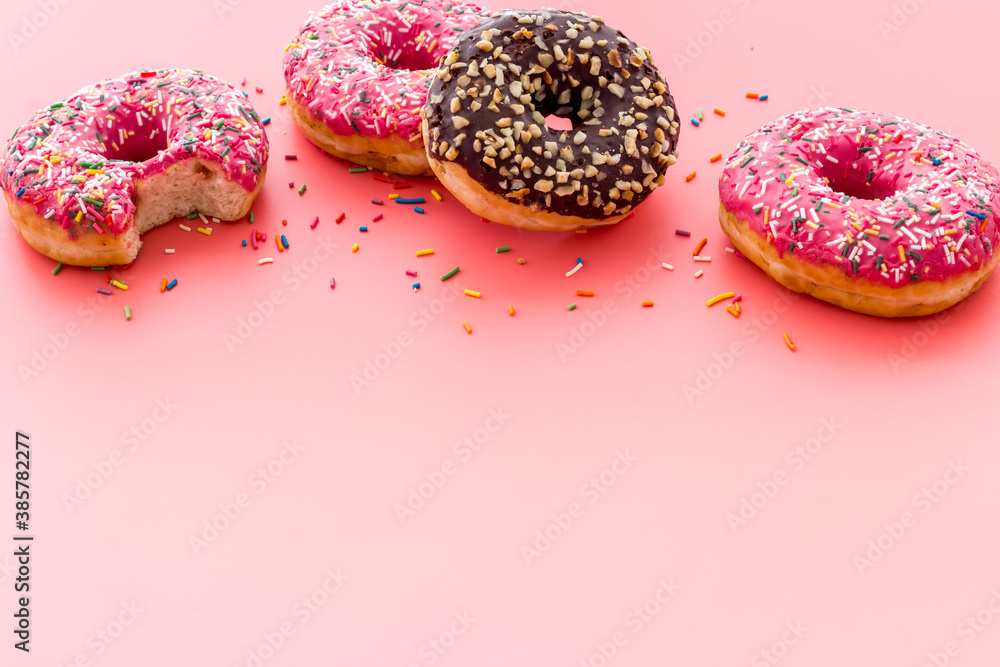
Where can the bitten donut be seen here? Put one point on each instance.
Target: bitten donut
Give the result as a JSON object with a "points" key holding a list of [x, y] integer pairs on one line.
{"points": [[85, 177], [873, 213], [485, 121], [358, 72]]}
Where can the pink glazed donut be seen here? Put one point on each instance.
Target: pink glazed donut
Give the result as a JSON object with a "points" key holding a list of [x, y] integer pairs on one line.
{"points": [[357, 76], [85, 177], [872, 213]]}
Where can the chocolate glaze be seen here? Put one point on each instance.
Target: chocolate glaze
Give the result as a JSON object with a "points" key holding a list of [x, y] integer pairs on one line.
{"points": [[487, 105]]}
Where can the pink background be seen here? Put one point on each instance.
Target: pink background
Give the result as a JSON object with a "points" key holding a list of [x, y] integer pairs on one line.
{"points": [[890, 408]]}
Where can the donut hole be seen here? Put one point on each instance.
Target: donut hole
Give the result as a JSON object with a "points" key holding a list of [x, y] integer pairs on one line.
{"points": [[859, 180], [557, 123], [139, 146], [402, 52]]}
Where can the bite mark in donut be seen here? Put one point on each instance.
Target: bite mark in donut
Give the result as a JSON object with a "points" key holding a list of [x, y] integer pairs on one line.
{"points": [[487, 137], [86, 176]]}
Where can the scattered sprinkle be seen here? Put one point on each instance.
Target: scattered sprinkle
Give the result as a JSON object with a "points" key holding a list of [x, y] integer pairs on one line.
{"points": [[103, 290], [647, 304], [428, 251], [172, 284], [472, 293], [789, 343], [340, 218], [333, 283], [414, 200], [510, 310], [410, 272], [163, 285], [363, 229], [719, 112], [291, 157], [377, 202], [682, 232], [691, 175], [120, 285], [128, 314], [377, 218], [436, 195], [695, 122], [355, 247], [715, 158], [468, 329], [520, 260], [416, 286], [302, 189], [207, 231], [721, 297], [418, 209], [185, 228], [266, 260], [450, 274], [668, 267], [702, 258], [579, 265], [314, 223], [503, 248], [571, 306], [357, 170], [585, 292], [701, 244], [58, 268], [699, 273], [753, 96], [734, 309]]}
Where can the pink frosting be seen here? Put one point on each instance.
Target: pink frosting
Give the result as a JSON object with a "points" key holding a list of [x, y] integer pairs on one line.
{"points": [[881, 197], [77, 161], [365, 67]]}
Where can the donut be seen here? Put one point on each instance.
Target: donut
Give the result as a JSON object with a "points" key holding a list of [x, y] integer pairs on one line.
{"points": [[872, 213], [357, 75], [487, 136], [86, 176]]}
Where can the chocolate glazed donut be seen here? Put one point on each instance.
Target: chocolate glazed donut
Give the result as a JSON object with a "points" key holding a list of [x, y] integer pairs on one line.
{"points": [[487, 139]]}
